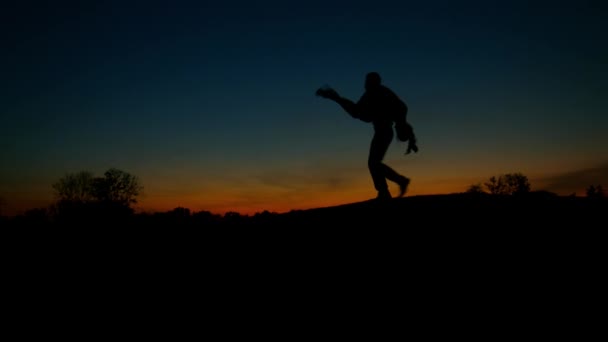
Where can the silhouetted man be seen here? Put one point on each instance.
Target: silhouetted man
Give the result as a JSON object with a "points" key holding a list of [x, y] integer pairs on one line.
{"points": [[380, 106]]}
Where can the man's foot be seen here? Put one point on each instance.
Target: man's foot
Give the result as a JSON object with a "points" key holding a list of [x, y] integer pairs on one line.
{"points": [[383, 196], [403, 184]]}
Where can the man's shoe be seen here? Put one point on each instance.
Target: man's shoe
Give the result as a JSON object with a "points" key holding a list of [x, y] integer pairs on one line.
{"points": [[405, 182], [384, 196]]}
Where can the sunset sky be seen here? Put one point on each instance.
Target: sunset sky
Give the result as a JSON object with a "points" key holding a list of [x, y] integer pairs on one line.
{"points": [[211, 103]]}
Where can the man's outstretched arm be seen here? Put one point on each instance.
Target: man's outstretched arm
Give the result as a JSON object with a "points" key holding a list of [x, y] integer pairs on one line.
{"points": [[349, 106]]}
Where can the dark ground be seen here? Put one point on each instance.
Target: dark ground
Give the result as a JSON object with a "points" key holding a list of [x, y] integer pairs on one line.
{"points": [[539, 245], [412, 214]]}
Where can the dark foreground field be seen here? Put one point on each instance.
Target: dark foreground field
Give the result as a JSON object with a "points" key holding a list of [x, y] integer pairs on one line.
{"points": [[454, 255], [458, 211], [416, 213], [426, 241]]}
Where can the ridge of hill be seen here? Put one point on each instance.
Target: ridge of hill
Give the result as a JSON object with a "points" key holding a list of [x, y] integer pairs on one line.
{"points": [[415, 229], [457, 209], [537, 209]]}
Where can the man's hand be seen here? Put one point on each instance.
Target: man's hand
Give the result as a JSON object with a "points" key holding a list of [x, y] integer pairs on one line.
{"points": [[412, 146], [328, 93]]}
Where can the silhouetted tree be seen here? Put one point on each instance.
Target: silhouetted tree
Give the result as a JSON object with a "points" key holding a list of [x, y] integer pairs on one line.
{"points": [[508, 184], [75, 187], [117, 186], [517, 183], [2, 204], [82, 198], [496, 186], [595, 191]]}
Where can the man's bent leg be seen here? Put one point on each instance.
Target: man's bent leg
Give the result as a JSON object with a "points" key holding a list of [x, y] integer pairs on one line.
{"points": [[377, 169], [393, 176]]}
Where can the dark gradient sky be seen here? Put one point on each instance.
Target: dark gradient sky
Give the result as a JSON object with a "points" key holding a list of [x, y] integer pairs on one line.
{"points": [[212, 106]]}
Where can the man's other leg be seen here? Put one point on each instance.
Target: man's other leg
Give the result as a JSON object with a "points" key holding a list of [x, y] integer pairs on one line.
{"points": [[377, 169]]}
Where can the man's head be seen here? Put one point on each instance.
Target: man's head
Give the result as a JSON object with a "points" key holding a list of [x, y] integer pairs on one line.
{"points": [[372, 80]]}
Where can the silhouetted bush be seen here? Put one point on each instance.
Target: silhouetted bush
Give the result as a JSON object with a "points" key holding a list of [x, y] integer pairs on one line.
{"points": [[206, 218], [234, 218], [508, 184], [475, 189], [595, 191]]}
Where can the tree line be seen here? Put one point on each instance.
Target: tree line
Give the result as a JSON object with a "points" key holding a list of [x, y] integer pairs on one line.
{"points": [[84, 198], [516, 183]]}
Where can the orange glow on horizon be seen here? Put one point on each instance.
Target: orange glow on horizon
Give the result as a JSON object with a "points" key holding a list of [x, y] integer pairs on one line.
{"points": [[251, 199]]}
